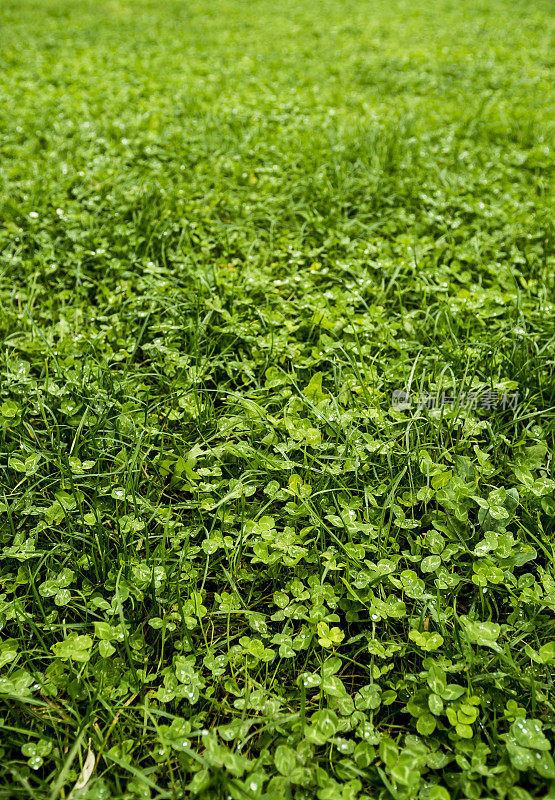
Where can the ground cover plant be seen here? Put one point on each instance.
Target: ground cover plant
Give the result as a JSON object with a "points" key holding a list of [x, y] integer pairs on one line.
{"points": [[276, 400]]}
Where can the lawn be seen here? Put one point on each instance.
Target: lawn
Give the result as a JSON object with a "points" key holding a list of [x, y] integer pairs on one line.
{"points": [[277, 400]]}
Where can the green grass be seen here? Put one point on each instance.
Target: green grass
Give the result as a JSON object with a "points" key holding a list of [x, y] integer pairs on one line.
{"points": [[230, 567]]}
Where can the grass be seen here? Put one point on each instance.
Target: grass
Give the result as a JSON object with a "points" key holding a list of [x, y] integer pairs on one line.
{"points": [[232, 566]]}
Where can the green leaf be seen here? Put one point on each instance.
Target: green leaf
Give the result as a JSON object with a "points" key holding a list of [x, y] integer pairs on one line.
{"points": [[388, 751], [326, 722], [438, 793], [8, 651], [426, 724], [103, 630], [452, 692], [368, 698], [9, 409], [481, 633], [547, 653], [437, 679], [529, 733], [106, 649], [285, 760], [430, 563], [314, 389], [333, 686], [74, 647], [331, 666], [436, 704]]}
